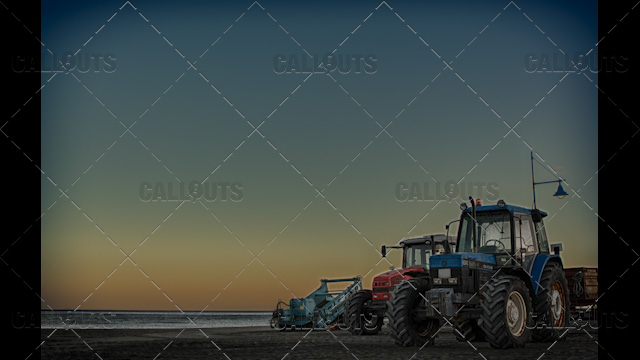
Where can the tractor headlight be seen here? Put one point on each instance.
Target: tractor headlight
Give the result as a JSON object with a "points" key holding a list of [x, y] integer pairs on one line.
{"points": [[444, 273], [437, 281], [453, 280]]}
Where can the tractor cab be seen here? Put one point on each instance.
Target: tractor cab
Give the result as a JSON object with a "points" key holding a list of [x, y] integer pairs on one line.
{"points": [[416, 253], [513, 234]]}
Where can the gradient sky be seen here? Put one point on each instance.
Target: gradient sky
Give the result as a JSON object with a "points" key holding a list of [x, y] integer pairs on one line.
{"points": [[326, 132]]}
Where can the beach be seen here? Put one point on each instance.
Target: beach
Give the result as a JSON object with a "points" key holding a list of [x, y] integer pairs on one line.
{"points": [[257, 342]]}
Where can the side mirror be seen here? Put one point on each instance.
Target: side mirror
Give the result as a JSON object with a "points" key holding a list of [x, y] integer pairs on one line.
{"points": [[383, 250], [556, 248]]}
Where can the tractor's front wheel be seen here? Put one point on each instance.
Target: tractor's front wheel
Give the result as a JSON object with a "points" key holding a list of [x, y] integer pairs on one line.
{"points": [[360, 319], [506, 309], [403, 308], [551, 305], [468, 330]]}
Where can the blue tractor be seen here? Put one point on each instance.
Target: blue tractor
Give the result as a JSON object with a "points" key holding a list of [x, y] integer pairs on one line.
{"points": [[503, 285]]}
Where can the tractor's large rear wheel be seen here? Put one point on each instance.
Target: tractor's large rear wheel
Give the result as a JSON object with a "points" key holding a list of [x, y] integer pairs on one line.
{"points": [[362, 320], [551, 305], [407, 328], [506, 309]]}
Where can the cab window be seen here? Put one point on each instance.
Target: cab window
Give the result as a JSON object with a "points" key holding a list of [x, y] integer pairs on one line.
{"points": [[525, 239], [493, 231], [541, 234], [417, 255]]}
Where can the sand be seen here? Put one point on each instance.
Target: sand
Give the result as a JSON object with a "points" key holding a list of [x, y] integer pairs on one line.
{"points": [[266, 343]]}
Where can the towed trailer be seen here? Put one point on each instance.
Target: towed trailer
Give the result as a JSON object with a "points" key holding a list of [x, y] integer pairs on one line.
{"points": [[583, 286], [583, 293], [320, 309]]}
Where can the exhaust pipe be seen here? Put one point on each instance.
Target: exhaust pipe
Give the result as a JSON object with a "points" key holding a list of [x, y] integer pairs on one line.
{"points": [[475, 229]]}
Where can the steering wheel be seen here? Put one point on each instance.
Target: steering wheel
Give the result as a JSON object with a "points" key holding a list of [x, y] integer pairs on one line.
{"points": [[499, 244]]}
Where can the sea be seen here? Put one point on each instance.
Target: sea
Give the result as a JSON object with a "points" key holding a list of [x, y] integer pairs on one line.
{"points": [[85, 319]]}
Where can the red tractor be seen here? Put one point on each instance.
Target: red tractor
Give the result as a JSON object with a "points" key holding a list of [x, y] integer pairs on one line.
{"points": [[365, 309]]}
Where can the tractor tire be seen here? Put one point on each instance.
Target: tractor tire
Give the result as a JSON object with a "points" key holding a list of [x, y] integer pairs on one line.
{"points": [[468, 330], [405, 329], [506, 312], [360, 320], [551, 305]]}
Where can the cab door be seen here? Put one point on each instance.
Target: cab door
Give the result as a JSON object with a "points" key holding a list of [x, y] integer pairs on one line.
{"points": [[525, 246]]}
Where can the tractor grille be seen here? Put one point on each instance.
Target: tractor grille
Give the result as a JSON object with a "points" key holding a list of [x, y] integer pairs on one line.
{"points": [[378, 304], [382, 293]]}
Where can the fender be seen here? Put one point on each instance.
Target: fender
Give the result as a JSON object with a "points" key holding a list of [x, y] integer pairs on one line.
{"points": [[539, 264]]}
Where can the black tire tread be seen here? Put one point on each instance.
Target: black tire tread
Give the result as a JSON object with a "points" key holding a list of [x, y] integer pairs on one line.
{"points": [[493, 306], [468, 330], [398, 313], [353, 314], [544, 332]]}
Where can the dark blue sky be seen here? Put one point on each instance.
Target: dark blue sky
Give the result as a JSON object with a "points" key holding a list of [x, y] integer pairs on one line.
{"points": [[452, 86]]}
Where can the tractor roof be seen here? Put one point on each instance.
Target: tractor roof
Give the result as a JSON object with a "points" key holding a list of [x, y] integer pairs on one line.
{"points": [[511, 208], [427, 239]]}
